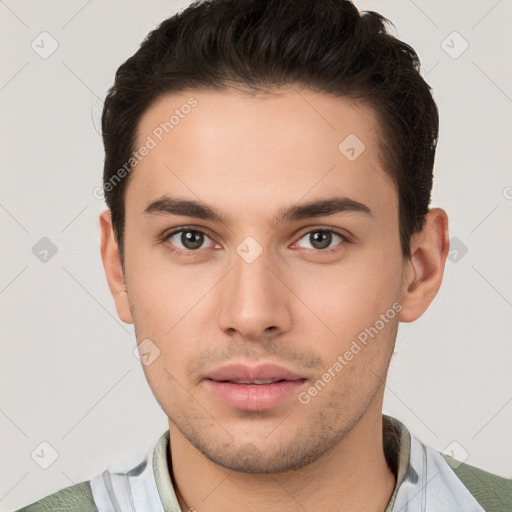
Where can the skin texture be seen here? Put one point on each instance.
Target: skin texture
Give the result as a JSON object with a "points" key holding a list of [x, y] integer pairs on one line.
{"points": [[247, 157]]}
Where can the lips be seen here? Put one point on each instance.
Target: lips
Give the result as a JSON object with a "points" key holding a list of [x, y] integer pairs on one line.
{"points": [[247, 374], [255, 381], [256, 388]]}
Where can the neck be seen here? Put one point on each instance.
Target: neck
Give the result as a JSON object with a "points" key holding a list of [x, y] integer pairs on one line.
{"points": [[352, 476]]}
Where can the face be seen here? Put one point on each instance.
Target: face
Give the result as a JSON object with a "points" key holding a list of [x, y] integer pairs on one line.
{"points": [[263, 270]]}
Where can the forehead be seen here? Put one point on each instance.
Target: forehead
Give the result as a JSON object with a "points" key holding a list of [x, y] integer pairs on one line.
{"points": [[251, 152]]}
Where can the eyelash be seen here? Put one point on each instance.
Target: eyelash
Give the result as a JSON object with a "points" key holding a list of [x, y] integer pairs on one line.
{"points": [[164, 239]]}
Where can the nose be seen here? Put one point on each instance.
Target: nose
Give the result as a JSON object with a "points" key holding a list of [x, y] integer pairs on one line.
{"points": [[253, 299]]}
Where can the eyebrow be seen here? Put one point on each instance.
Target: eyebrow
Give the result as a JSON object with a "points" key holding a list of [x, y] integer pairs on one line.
{"points": [[166, 205]]}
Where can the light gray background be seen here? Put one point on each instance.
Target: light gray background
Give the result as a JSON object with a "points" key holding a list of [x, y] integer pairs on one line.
{"points": [[68, 373]]}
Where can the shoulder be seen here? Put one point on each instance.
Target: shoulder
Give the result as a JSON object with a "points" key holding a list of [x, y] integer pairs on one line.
{"points": [[77, 497], [493, 492]]}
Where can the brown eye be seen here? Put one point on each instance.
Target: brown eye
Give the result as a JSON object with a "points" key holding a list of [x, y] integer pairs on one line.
{"points": [[321, 239], [187, 239]]}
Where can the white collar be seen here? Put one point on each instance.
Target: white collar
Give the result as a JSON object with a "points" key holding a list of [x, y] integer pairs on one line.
{"points": [[425, 482]]}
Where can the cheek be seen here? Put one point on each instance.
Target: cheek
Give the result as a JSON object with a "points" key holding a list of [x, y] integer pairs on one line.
{"points": [[162, 292], [345, 299], [170, 309]]}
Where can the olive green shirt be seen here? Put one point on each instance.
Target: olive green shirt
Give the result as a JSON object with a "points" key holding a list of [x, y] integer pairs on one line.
{"points": [[426, 481]]}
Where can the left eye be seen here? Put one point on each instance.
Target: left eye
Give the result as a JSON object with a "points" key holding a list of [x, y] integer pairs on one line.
{"points": [[321, 239]]}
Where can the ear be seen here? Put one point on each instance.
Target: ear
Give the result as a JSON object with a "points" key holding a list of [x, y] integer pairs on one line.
{"points": [[429, 249], [113, 268]]}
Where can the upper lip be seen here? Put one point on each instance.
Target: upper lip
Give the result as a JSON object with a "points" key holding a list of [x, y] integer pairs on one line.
{"points": [[233, 372]]}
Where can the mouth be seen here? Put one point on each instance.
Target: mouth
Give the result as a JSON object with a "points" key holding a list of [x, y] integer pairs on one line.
{"points": [[259, 382], [257, 388]]}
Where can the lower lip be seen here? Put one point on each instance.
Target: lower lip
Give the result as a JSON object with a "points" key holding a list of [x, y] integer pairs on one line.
{"points": [[254, 397]]}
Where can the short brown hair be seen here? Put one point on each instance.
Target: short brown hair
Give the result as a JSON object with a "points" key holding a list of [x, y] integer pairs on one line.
{"points": [[324, 45]]}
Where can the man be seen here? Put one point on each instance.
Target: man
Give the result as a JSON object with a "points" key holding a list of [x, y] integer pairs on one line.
{"points": [[268, 173]]}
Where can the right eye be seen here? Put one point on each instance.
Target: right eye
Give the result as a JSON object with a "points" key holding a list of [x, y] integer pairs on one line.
{"points": [[187, 240]]}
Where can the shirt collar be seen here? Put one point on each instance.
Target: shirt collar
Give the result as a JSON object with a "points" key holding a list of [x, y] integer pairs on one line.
{"points": [[397, 450], [419, 470]]}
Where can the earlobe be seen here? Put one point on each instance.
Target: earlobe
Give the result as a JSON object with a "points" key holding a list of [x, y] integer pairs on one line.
{"points": [[113, 268], [429, 249]]}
